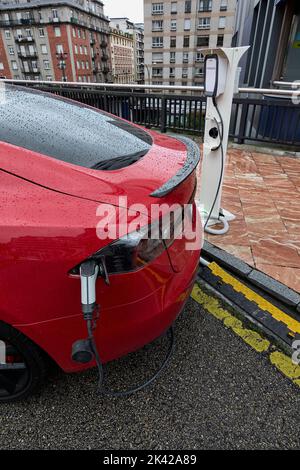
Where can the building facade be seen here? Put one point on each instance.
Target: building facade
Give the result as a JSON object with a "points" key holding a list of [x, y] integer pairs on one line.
{"points": [[122, 56], [272, 29], [54, 40], [177, 31], [137, 30]]}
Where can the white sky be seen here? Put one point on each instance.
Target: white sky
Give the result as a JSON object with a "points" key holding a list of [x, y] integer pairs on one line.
{"points": [[133, 9]]}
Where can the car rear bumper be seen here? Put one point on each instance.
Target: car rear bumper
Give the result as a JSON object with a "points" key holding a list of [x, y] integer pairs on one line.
{"points": [[123, 327]]}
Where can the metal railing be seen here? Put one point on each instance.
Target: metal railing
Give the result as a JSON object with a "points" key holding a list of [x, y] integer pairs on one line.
{"points": [[258, 115]]}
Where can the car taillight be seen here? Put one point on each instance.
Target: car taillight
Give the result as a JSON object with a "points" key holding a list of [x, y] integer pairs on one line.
{"points": [[139, 248]]}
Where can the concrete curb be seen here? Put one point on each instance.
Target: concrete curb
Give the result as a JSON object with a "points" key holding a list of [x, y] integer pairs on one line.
{"points": [[264, 282]]}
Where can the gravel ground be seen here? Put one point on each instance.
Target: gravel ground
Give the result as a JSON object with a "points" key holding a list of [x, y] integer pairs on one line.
{"points": [[216, 394]]}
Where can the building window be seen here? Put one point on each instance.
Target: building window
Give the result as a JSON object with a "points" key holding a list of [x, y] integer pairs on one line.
{"points": [[85, 50], [28, 33], [202, 41], [54, 13], [157, 9], [74, 32], [186, 41], [188, 6], [7, 34], [79, 33], [49, 78], [172, 57], [41, 32], [174, 8], [220, 41], [200, 57], [44, 49], [14, 65], [185, 57], [157, 72], [187, 25], [172, 72], [224, 5], [173, 25], [87, 66], [1, 66], [222, 22], [57, 32], [205, 5], [59, 49], [46, 64], [11, 51], [204, 23], [76, 49], [173, 41], [200, 71], [157, 57], [78, 64], [157, 25], [185, 72], [80, 50]]}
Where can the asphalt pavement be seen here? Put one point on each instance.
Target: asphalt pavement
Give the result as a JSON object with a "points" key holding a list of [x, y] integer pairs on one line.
{"points": [[217, 393]]}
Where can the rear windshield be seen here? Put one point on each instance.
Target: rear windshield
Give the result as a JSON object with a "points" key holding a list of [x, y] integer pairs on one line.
{"points": [[69, 131]]}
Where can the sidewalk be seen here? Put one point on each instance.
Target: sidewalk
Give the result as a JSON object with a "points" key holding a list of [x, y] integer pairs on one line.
{"points": [[263, 191]]}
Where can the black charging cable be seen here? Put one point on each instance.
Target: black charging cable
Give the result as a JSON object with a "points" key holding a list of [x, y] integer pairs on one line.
{"points": [[101, 383]]}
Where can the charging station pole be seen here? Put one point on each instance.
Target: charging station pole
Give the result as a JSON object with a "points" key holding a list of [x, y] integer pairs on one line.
{"points": [[214, 156]]}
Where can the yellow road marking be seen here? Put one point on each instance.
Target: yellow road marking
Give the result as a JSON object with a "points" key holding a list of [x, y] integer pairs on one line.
{"points": [[282, 362], [254, 339], [291, 323], [286, 366]]}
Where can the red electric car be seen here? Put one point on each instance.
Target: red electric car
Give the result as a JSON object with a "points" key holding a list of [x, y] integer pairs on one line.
{"points": [[59, 162]]}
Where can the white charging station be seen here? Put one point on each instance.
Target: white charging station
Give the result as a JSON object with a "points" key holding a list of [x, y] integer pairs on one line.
{"points": [[221, 83]]}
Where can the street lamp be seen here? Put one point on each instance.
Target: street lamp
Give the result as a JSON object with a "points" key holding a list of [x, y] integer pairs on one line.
{"points": [[61, 56], [148, 71]]}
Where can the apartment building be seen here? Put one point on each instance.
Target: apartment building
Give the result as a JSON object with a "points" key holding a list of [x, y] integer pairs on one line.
{"points": [[137, 31], [175, 33], [272, 29], [122, 56], [54, 40]]}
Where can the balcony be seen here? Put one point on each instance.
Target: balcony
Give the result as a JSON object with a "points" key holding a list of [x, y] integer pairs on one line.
{"points": [[28, 55], [31, 71], [157, 12], [18, 22], [22, 39]]}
